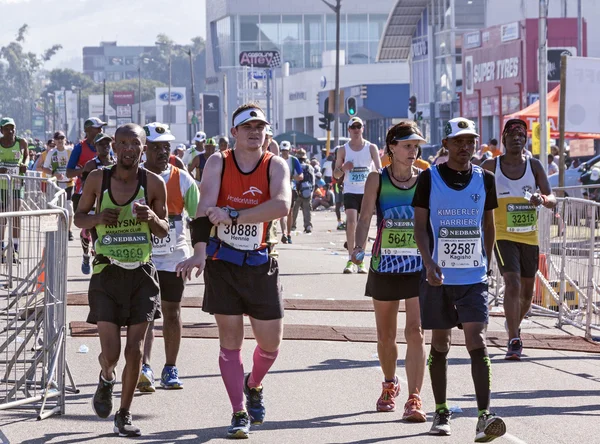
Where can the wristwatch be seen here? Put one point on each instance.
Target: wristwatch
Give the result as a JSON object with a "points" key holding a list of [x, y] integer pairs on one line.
{"points": [[234, 214]]}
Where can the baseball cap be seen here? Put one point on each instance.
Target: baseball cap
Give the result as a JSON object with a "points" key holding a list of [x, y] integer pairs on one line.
{"points": [[269, 130], [301, 154], [7, 121], [158, 132], [248, 115], [460, 126], [94, 122], [211, 142], [200, 136], [285, 146], [354, 120], [101, 136]]}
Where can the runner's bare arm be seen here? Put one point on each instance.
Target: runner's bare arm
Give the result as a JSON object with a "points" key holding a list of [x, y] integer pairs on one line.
{"points": [[25, 158], [434, 273], [375, 156], [210, 184], [489, 235], [281, 196], [489, 165], [179, 163], [367, 208], [541, 179], [156, 213], [87, 201], [195, 164], [339, 161], [274, 147]]}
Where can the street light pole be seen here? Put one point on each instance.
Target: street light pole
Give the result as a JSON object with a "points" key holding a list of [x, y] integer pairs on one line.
{"points": [[336, 97], [543, 83], [65, 106], [140, 92], [169, 122], [193, 120]]}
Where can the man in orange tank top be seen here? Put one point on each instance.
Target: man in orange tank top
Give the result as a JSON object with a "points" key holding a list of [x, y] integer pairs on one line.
{"points": [[242, 192]]}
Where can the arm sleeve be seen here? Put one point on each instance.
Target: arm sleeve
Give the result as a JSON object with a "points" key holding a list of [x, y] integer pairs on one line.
{"points": [[190, 193], [489, 182], [74, 159], [423, 190]]}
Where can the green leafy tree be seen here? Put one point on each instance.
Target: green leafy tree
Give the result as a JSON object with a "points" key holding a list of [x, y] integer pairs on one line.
{"points": [[18, 74], [67, 78]]}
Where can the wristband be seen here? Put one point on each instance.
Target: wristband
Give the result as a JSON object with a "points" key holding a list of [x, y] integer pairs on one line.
{"points": [[200, 228]]}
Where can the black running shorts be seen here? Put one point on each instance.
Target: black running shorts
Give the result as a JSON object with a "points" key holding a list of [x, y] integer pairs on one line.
{"points": [[446, 306], [392, 287], [124, 297], [171, 286], [353, 201], [231, 289], [516, 257]]}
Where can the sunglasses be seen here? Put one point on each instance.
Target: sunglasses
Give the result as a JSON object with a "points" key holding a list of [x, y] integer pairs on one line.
{"points": [[59, 138], [356, 127]]}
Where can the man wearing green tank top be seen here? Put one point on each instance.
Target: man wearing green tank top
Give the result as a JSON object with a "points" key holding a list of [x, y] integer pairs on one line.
{"points": [[13, 160], [124, 290]]}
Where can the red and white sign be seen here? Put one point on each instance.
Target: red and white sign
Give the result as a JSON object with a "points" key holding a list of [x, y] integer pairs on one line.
{"points": [[123, 97]]}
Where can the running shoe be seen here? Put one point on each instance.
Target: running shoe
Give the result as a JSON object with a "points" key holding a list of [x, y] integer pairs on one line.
{"points": [[146, 381], [489, 427], [413, 410], [284, 239], [254, 402], [350, 268], [102, 401], [341, 226], [240, 426], [362, 269], [123, 425], [308, 229], [441, 423], [514, 350], [289, 238], [85, 265], [169, 378], [387, 400]]}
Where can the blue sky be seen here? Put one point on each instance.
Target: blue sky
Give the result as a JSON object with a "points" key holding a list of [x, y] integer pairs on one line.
{"points": [[78, 23]]}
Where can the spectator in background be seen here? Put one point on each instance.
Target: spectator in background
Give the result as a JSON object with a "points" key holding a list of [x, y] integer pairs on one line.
{"points": [[327, 169], [179, 150], [315, 164], [555, 153], [323, 197], [575, 164], [494, 148], [552, 166], [223, 143], [305, 189], [441, 156]]}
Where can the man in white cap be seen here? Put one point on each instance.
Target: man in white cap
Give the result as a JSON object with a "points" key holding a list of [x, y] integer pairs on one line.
{"points": [[355, 160], [198, 148], [243, 191], [182, 196], [454, 229], [295, 176]]}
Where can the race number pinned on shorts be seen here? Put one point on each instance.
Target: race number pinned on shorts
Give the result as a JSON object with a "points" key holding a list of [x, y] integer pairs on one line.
{"points": [[459, 247], [358, 175], [242, 236], [398, 238], [521, 218], [166, 245]]}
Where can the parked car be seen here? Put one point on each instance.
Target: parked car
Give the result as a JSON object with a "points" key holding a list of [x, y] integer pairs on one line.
{"points": [[576, 177]]}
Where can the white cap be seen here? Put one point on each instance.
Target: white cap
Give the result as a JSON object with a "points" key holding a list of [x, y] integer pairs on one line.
{"points": [[179, 146], [595, 174], [269, 130], [158, 132], [248, 115], [200, 136], [285, 146], [354, 120], [459, 126]]}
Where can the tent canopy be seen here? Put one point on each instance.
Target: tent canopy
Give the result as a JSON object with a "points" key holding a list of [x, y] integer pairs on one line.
{"points": [[297, 138], [531, 114]]}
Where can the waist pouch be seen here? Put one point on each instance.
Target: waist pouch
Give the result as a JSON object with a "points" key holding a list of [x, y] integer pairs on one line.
{"points": [[218, 250]]}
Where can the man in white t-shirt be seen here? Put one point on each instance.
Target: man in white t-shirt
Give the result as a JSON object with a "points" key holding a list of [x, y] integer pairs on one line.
{"points": [[198, 148], [355, 160]]}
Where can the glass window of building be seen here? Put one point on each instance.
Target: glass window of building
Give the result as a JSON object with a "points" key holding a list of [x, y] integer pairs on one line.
{"points": [[314, 43], [292, 39], [270, 30], [249, 29]]}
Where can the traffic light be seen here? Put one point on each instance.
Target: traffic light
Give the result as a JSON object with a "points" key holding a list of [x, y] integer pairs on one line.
{"points": [[324, 123], [327, 116], [412, 104], [351, 107], [418, 116]]}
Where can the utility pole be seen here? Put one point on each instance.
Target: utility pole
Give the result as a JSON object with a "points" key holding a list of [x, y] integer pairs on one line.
{"points": [[193, 120], [169, 122], [140, 93], [104, 100], [336, 97], [579, 30], [543, 83]]}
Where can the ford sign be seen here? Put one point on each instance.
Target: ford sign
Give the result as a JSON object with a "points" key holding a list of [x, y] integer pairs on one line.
{"points": [[175, 96]]}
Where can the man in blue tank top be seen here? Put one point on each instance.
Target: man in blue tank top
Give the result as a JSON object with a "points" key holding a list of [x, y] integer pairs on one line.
{"points": [[455, 233]]}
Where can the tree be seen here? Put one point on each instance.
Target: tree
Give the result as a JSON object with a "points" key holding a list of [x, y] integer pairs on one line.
{"points": [[18, 88], [67, 78]]}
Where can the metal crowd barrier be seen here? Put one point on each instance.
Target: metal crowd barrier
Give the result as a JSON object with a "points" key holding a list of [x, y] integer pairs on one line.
{"points": [[33, 288]]}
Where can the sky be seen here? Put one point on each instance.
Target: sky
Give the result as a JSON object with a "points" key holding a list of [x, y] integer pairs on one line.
{"points": [[78, 23]]}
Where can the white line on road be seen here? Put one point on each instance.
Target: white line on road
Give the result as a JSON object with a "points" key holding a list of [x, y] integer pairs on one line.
{"points": [[514, 439]]}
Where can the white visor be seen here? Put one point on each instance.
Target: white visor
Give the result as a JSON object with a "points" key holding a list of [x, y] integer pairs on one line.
{"points": [[413, 136], [249, 115]]}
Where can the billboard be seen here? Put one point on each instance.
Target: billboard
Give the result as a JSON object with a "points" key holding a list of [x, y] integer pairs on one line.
{"points": [[211, 114], [260, 59], [175, 115], [582, 114]]}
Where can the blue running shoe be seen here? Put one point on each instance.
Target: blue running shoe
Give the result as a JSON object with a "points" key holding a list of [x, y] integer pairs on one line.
{"points": [[169, 379], [240, 426], [85, 265], [146, 382], [254, 402]]}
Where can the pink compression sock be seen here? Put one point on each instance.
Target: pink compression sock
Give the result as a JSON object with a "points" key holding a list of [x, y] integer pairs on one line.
{"points": [[263, 360], [232, 372]]}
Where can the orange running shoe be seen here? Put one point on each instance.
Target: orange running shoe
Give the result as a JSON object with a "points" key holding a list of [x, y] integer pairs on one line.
{"points": [[413, 410], [387, 400]]}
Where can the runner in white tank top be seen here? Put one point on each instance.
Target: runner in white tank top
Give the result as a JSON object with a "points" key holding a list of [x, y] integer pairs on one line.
{"points": [[354, 161]]}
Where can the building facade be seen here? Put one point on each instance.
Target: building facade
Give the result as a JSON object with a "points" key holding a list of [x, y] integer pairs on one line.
{"points": [[304, 34], [111, 62]]}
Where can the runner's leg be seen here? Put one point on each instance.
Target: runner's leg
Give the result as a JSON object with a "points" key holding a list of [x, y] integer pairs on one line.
{"points": [[231, 338], [351, 221], [133, 362], [481, 369], [527, 286], [172, 326], [386, 319], [268, 336], [110, 346], [149, 342], [438, 366], [415, 347], [512, 303]]}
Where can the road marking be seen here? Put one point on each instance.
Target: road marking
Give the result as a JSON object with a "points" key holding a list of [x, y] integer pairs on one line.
{"points": [[514, 439]]}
